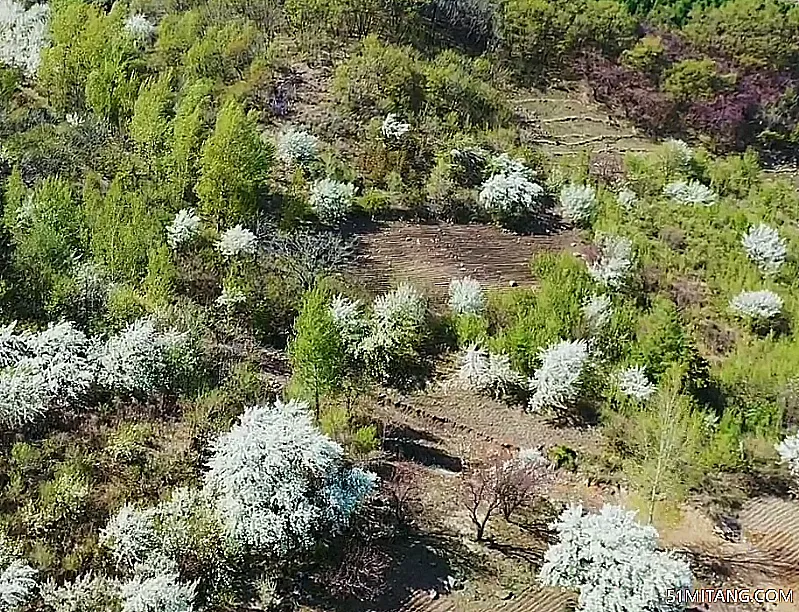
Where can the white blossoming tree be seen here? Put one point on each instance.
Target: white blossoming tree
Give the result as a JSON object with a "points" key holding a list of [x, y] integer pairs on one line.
{"points": [[597, 311], [757, 305], [237, 241], [613, 562], [162, 592], [279, 483], [17, 579], [765, 248], [131, 536], [393, 129], [633, 382], [184, 228], [487, 372], [507, 195], [577, 203], [615, 262], [788, 450], [627, 198], [297, 147], [139, 28], [87, 593], [557, 383], [690, 192], [466, 296], [332, 200], [23, 34]]}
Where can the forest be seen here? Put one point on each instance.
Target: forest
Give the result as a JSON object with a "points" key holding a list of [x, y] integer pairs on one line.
{"points": [[302, 307]]}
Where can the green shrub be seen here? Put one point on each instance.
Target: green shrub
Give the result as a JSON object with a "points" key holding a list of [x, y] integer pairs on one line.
{"points": [[150, 125], [191, 123], [381, 78], [177, 32], [691, 79], [647, 56], [223, 52], [234, 167], [605, 25]]}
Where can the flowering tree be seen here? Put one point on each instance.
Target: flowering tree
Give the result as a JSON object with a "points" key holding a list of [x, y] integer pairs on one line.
{"points": [[130, 534], [87, 593], [627, 198], [393, 129], [237, 241], [297, 147], [765, 248], [788, 450], [139, 28], [757, 305], [690, 192], [633, 382], [184, 228], [160, 593], [23, 34], [508, 195], [557, 382], [279, 483], [615, 261], [487, 372], [466, 296], [613, 561], [597, 311], [577, 203], [17, 579], [332, 200]]}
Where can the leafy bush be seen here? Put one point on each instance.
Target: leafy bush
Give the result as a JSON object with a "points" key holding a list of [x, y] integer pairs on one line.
{"points": [[234, 167], [647, 56], [690, 80]]}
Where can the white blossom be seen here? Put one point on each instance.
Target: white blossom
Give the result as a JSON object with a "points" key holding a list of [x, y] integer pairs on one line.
{"points": [[23, 34], [612, 267], [765, 248], [505, 164], [160, 593], [74, 119], [184, 228], [556, 383], [349, 320], [597, 311], [237, 241], [486, 372], [690, 192], [332, 200], [230, 296], [264, 475], [577, 202], [137, 359], [627, 198], [613, 561], [510, 194], [466, 296], [139, 27], [130, 534], [633, 382], [13, 346], [757, 304], [17, 581], [393, 128], [681, 151], [87, 593], [297, 147], [788, 450]]}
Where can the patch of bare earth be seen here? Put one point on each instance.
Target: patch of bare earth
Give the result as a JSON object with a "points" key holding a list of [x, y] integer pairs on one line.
{"points": [[430, 255]]}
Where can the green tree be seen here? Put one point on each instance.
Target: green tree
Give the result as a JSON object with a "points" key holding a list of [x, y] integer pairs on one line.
{"points": [[150, 125], [666, 438], [193, 117], [317, 353], [234, 167]]}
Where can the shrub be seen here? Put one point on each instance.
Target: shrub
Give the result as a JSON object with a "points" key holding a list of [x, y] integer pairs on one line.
{"points": [[613, 561], [556, 384], [237, 241], [150, 126], [765, 248], [185, 227], [647, 56], [23, 35], [383, 78], [17, 580], [615, 261], [690, 80], [633, 382], [627, 198], [690, 192], [297, 147], [279, 483], [332, 200], [577, 203], [88, 593], [757, 305], [466, 296], [138, 27], [130, 535], [393, 129], [234, 167], [162, 592]]}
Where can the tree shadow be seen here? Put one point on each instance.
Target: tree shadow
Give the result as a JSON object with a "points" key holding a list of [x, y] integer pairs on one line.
{"points": [[424, 454]]}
